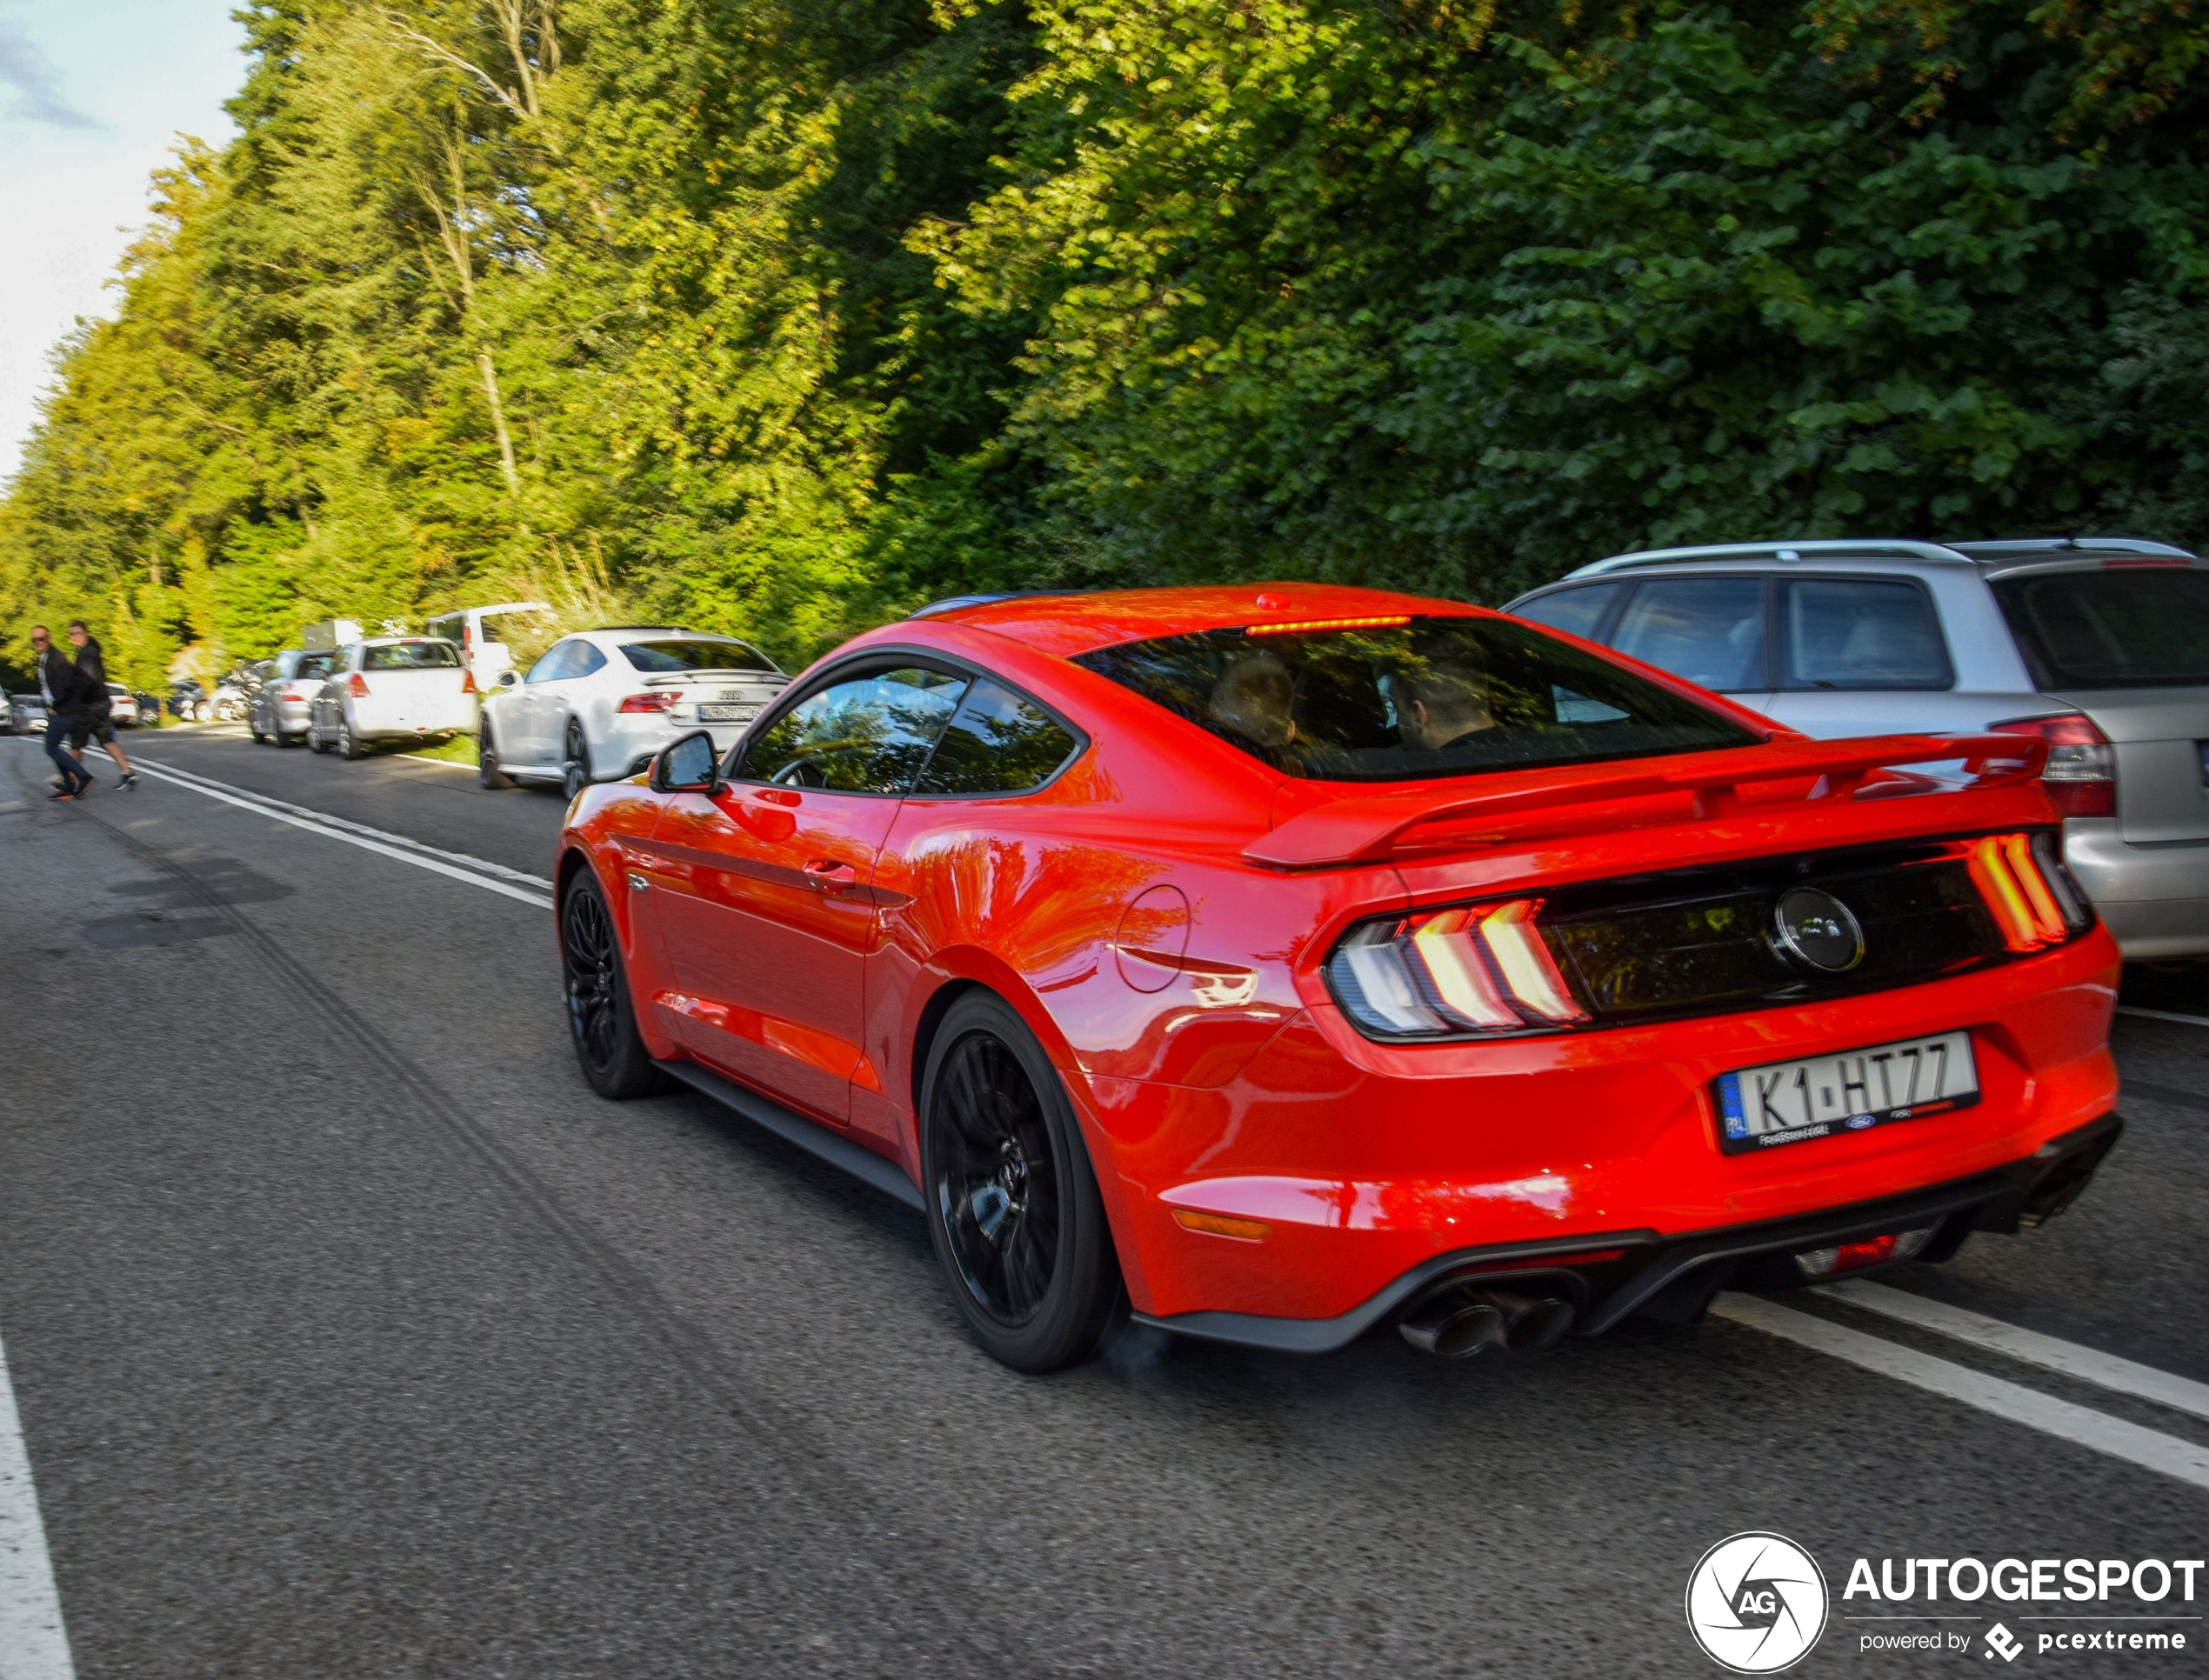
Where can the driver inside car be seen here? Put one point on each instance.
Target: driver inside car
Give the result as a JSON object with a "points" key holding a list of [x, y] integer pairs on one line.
{"points": [[1253, 697]]}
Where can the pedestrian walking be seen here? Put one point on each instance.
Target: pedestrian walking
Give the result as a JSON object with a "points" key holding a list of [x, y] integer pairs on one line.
{"points": [[59, 685], [95, 721]]}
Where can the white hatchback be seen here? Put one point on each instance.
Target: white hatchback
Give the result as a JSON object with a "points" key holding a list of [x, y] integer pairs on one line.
{"points": [[599, 704], [391, 688]]}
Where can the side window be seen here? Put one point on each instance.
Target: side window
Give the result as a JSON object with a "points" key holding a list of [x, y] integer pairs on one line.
{"points": [[583, 657], [1860, 633], [865, 734], [1708, 630], [996, 742], [1576, 612], [554, 665]]}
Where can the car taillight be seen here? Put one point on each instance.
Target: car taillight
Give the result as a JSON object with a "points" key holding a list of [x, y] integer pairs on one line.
{"points": [[662, 702], [2081, 775], [1447, 972], [291, 697], [2027, 888], [1855, 1256], [357, 685], [468, 682]]}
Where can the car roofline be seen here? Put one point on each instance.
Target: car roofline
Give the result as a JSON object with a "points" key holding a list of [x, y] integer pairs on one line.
{"points": [[1784, 552], [2018, 549]]}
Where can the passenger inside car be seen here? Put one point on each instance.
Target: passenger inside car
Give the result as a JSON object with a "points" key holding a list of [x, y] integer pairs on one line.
{"points": [[1439, 705]]}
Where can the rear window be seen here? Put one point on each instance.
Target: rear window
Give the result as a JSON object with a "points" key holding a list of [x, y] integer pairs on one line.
{"points": [[2110, 629], [1428, 697], [410, 656], [695, 656], [1708, 630], [1859, 633]]}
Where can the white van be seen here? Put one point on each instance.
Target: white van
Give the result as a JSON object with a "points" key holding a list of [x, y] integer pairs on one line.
{"points": [[496, 640]]}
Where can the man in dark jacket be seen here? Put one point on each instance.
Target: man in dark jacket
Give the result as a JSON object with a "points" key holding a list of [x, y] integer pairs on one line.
{"points": [[58, 683], [96, 720]]}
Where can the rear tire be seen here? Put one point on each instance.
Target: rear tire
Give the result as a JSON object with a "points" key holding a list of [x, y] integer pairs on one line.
{"points": [[348, 748], [314, 738], [284, 740], [487, 771], [575, 762], [602, 1015], [1013, 1210]]}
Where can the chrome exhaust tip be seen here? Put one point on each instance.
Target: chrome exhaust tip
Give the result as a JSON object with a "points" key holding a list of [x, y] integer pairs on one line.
{"points": [[1455, 1327]]}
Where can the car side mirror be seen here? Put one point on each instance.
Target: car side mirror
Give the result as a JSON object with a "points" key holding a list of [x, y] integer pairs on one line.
{"points": [[689, 765], [507, 679]]}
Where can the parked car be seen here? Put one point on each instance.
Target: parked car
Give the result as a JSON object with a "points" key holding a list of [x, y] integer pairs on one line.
{"points": [[599, 704], [407, 688], [277, 713], [122, 706], [1313, 960], [188, 701], [498, 640], [26, 714], [2098, 645]]}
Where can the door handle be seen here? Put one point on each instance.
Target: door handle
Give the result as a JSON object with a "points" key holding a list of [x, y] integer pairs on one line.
{"points": [[831, 876]]}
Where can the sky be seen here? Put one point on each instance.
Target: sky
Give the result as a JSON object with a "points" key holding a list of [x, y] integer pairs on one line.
{"points": [[92, 96]]}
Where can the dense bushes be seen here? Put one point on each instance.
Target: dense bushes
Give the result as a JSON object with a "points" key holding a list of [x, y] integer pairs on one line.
{"points": [[776, 316]]}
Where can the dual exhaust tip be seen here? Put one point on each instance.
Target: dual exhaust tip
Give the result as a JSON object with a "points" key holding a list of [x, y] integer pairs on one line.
{"points": [[1458, 1323]]}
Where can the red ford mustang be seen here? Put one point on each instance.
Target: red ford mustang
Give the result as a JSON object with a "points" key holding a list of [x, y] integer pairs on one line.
{"points": [[1304, 959]]}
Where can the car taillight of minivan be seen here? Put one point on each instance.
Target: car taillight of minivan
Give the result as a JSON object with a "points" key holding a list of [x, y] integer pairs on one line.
{"points": [[2081, 775], [357, 685]]}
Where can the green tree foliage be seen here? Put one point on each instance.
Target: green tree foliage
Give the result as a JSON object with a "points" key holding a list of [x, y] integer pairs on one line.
{"points": [[776, 318]]}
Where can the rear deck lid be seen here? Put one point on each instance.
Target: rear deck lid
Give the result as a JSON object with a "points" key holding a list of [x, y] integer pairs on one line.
{"points": [[2126, 641]]}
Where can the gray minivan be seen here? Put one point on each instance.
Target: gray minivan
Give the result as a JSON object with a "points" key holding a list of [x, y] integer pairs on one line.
{"points": [[2099, 645]]}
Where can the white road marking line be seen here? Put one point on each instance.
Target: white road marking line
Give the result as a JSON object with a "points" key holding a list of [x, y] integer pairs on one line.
{"points": [[2104, 1370], [2081, 1425], [481, 865], [34, 1645], [442, 763], [406, 852], [2163, 1015]]}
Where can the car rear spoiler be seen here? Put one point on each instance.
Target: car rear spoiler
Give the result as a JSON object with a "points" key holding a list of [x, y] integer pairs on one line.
{"points": [[1366, 829]]}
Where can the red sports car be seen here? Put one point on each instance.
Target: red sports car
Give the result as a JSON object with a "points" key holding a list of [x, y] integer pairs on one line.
{"points": [[1302, 959]]}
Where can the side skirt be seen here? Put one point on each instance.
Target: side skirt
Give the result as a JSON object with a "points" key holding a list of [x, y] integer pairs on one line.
{"points": [[791, 1127]]}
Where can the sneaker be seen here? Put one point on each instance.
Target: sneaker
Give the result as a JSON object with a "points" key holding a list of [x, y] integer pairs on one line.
{"points": [[128, 781], [84, 788], [61, 793]]}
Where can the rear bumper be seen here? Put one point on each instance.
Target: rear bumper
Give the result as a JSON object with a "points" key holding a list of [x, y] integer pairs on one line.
{"points": [[2154, 899], [1649, 1267]]}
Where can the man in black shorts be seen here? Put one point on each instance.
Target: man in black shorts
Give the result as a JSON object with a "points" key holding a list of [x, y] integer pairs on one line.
{"points": [[95, 708]]}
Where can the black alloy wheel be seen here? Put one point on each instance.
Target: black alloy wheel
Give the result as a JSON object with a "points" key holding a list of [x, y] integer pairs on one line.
{"points": [[575, 762], [1013, 1210], [602, 1017], [488, 773]]}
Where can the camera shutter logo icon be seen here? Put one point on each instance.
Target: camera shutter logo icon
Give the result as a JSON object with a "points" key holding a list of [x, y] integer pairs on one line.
{"points": [[1756, 1602]]}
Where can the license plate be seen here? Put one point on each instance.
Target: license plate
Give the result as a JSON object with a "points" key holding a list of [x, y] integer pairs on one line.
{"points": [[712, 714], [1794, 1102]]}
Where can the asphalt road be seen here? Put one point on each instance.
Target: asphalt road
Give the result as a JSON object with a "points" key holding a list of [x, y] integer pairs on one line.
{"points": [[351, 1336]]}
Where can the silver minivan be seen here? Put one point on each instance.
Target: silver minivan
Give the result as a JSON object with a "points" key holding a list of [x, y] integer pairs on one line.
{"points": [[2099, 644]]}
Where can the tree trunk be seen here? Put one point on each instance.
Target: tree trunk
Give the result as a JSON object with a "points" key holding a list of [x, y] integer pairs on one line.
{"points": [[498, 422]]}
